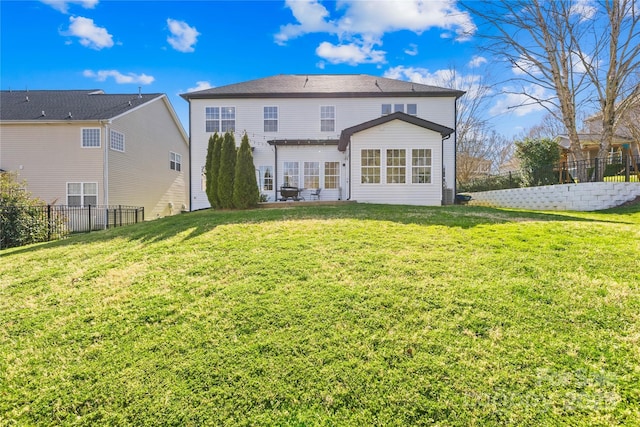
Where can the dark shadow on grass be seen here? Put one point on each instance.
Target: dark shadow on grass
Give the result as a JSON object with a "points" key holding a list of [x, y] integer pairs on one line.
{"points": [[194, 224]]}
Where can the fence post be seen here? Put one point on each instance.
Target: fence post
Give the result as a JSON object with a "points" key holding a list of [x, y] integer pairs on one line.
{"points": [[120, 212], [49, 223], [90, 226]]}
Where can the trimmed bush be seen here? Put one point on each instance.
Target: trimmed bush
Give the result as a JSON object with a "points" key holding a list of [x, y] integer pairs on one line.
{"points": [[245, 185], [227, 171]]}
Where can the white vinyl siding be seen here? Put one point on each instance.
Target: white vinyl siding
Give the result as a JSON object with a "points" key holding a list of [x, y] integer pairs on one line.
{"points": [[406, 138], [91, 137]]}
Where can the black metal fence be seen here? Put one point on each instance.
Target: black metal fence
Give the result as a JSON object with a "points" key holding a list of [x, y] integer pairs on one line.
{"points": [[610, 169], [31, 224]]}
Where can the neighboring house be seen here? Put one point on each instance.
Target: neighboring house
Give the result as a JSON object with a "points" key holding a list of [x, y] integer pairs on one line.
{"points": [[85, 147], [355, 137]]}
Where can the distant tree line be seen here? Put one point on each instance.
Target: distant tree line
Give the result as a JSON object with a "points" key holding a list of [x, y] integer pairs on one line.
{"points": [[230, 173]]}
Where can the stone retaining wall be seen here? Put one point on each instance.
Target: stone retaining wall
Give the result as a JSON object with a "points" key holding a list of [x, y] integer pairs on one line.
{"points": [[590, 196]]}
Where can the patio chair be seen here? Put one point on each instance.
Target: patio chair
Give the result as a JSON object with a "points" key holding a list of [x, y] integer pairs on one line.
{"points": [[315, 193]]}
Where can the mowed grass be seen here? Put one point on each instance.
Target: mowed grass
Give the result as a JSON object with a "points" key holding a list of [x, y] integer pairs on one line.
{"points": [[352, 315]]}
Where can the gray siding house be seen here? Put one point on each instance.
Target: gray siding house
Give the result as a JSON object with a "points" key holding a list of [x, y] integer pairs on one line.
{"points": [[81, 147]]}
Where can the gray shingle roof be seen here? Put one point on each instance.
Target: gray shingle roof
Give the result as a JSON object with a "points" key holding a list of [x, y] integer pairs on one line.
{"points": [[57, 104], [322, 85]]}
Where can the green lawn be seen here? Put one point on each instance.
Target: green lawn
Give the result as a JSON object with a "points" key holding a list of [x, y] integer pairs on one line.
{"points": [[352, 315]]}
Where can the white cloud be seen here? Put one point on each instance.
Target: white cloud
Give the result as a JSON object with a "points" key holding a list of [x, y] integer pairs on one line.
{"points": [[119, 78], [311, 17], [476, 61], [201, 85], [520, 104], [585, 9], [412, 50], [448, 78], [89, 34], [182, 37], [351, 54], [63, 5], [362, 24]]}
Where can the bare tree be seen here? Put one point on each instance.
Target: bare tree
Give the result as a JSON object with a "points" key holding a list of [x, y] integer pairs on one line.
{"points": [[577, 52]]}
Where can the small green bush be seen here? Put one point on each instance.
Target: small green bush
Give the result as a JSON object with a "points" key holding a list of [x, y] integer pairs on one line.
{"points": [[22, 217]]}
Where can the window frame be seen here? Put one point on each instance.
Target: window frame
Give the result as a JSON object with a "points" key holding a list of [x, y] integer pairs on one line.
{"points": [[112, 133], [414, 108], [325, 119], [263, 179], [419, 171], [385, 109], [373, 165], [331, 177], [270, 120], [219, 121], [288, 178], [311, 174], [83, 194], [175, 161], [396, 165], [84, 142]]}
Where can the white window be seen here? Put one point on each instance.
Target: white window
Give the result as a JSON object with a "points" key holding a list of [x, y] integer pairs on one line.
{"points": [[311, 174], [386, 109], [266, 178], [271, 119], [331, 175], [396, 166], [398, 108], [91, 137], [412, 109], [82, 193], [117, 141], [421, 166], [220, 119], [175, 161], [291, 173], [327, 118], [370, 166]]}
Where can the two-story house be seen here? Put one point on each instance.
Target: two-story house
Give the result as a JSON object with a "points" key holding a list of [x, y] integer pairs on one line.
{"points": [[85, 147], [355, 137]]}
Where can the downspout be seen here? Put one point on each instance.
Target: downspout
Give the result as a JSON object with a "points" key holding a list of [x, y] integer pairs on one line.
{"points": [[455, 149], [444, 181], [275, 170], [190, 162], [349, 163], [105, 163]]}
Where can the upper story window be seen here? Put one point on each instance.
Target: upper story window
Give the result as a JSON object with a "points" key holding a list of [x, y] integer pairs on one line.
{"points": [[220, 119], [327, 118], [116, 141], [175, 161], [411, 109], [271, 119], [91, 137]]}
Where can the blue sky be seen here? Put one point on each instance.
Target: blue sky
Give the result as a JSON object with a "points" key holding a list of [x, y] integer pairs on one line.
{"points": [[174, 47]]}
